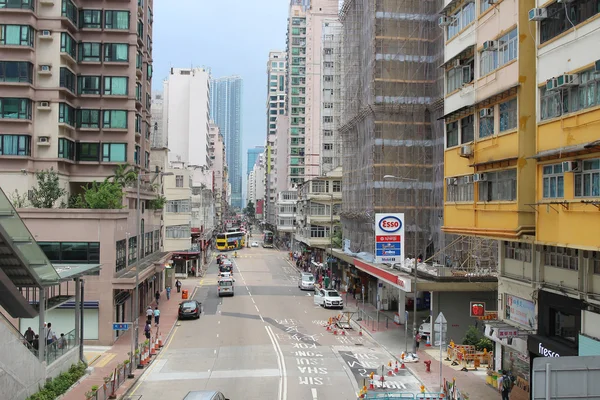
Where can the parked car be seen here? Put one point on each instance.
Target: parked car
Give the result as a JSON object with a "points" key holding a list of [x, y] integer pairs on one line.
{"points": [[328, 298], [225, 287], [425, 327], [205, 395], [254, 244], [189, 309], [306, 281]]}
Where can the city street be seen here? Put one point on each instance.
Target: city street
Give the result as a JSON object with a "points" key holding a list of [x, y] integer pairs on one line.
{"points": [[266, 342]]}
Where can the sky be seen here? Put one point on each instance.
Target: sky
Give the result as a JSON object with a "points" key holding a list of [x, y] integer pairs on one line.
{"points": [[231, 37]]}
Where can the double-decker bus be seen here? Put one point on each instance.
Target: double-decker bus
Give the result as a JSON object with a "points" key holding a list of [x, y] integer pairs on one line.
{"points": [[231, 241], [268, 239]]}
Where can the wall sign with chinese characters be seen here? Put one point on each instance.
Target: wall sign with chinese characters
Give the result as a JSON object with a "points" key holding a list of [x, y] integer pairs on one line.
{"points": [[507, 333], [520, 311]]}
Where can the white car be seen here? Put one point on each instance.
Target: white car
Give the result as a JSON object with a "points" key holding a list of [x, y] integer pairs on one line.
{"points": [[425, 328], [306, 281], [328, 298], [254, 244]]}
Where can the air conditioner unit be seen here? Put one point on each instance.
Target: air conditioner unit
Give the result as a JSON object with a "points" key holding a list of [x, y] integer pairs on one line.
{"points": [[490, 45], [44, 104], [466, 150], [567, 80], [571, 166], [444, 21], [486, 112], [551, 84], [451, 181], [455, 63], [537, 14], [46, 33], [44, 139], [479, 177], [45, 68]]}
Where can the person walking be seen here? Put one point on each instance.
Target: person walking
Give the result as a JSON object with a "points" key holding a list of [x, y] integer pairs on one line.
{"points": [[168, 292], [149, 315], [157, 296], [156, 316], [417, 340], [29, 335], [178, 285], [147, 329], [50, 335], [506, 385]]}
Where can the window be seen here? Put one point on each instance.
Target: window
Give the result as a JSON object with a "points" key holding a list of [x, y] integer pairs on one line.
{"points": [[457, 77], [327, 119], [562, 17], [317, 209], [147, 160], [484, 5], [461, 19], [17, 4], [66, 149], [550, 104], [69, 10], [149, 71], [15, 145], [16, 35], [121, 260], [149, 43], [68, 45], [16, 71], [561, 257], [488, 62], [67, 79], [179, 181], [88, 151], [138, 60], [114, 152], [66, 114], [148, 243], [89, 52], [319, 231], [518, 251], [140, 29], [320, 186], [88, 119], [88, 84], [467, 129], [116, 20], [553, 181], [116, 52], [114, 119], [91, 19], [71, 252], [156, 240], [499, 186], [327, 146], [136, 156], [588, 89], [587, 182], [138, 92], [337, 186], [178, 232], [452, 134], [115, 85], [486, 126], [132, 250], [508, 115], [507, 47], [138, 124], [13, 108], [178, 206], [459, 189]]}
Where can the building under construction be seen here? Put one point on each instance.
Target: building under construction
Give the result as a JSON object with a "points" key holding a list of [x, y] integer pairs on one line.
{"points": [[392, 91]]}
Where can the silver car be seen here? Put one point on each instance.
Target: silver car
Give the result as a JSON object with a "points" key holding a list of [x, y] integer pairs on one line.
{"points": [[306, 281]]}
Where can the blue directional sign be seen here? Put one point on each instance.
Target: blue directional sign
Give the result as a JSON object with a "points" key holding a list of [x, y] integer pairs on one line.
{"points": [[121, 326]]}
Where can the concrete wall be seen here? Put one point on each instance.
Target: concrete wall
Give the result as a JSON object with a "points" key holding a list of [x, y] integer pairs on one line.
{"points": [[455, 306], [21, 373]]}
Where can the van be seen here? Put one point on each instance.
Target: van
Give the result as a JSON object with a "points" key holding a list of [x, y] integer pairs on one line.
{"points": [[225, 287], [205, 395]]}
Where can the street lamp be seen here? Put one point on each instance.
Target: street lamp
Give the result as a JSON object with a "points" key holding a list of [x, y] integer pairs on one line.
{"points": [[415, 248], [138, 221]]}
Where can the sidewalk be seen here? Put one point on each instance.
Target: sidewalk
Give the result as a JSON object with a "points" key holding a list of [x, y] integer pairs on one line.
{"points": [[393, 340], [105, 364]]}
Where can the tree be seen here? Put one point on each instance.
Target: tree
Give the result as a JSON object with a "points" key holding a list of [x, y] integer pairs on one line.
{"points": [[124, 175], [48, 189], [19, 200], [106, 195], [250, 212]]}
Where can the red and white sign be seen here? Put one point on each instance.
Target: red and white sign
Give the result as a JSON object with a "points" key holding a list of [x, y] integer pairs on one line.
{"points": [[389, 230], [507, 333], [385, 239], [401, 282]]}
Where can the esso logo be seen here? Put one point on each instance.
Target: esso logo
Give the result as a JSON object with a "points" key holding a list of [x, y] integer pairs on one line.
{"points": [[390, 224]]}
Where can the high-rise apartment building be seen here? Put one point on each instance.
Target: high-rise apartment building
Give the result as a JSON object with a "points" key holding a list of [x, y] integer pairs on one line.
{"points": [[276, 149], [304, 85], [253, 154], [226, 112], [158, 137], [219, 168], [76, 84], [186, 111]]}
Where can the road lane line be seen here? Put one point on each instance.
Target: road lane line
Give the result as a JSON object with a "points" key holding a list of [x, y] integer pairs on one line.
{"points": [[219, 322], [283, 367], [251, 298], [261, 318], [279, 361], [215, 352], [257, 310], [217, 335], [314, 393]]}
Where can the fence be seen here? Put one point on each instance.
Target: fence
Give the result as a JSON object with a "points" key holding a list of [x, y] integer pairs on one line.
{"points": [[378, 322], [60, 346]]}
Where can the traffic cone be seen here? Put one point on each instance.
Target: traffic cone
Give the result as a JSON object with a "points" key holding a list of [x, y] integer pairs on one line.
{"points": [[403, 366], [428, 344], [371, 386], [343, 333], [390, 372], [396, 367], [328, 328], [152, 351], [360, 332], [160, 343], [335, 332]]}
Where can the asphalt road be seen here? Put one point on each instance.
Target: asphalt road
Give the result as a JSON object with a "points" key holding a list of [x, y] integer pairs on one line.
{"points": [[266, 342]]}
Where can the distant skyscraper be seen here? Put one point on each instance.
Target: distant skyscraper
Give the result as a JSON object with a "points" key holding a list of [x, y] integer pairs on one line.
{"points": [[252, 157], [226, 112]]}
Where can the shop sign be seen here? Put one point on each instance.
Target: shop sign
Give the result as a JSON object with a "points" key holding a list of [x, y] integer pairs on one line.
{"points": [[389, 234], [507, 333], [403, 283], [477, 309], [520, 310], [543, 351]]}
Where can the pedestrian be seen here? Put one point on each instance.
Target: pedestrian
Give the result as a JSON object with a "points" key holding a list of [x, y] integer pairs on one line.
{"points": [[168, 292], [29, 335], [62, 341], [36, 342], [156, 316], [417, 341], [149, 314], [178, 286], [193, 271], [147, 329], [157, 296], [50, 335], [506, 385]]}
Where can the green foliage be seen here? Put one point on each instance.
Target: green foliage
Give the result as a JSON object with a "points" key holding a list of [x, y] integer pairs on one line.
{"points": [[124, 175], [250, 211], [48, 189], [19, 200], [158, 203], [336, 239], [60, 384], [77, 201], [473, 337], [484, 343], [104, 196]]}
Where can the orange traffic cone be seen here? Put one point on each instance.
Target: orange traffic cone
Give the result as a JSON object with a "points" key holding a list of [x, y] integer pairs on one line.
{"points": [[396, 368], [328, 328], [371, 387], [335, 332], [403, 366], [160, 343], [343, 333], [360, 332]]}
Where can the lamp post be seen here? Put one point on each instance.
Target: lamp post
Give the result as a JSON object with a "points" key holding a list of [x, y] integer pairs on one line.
{"points": [[415, 238], [138, 221]]}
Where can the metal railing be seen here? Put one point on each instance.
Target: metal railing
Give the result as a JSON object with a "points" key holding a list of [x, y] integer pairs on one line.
{"points": [[60, 346], [379, 321], [18, 334]]}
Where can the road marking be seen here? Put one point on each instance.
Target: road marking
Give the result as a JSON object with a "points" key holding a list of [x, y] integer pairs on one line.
{"points": [[261, 318], [280, 361], [224, 374], [217, 335], [219, 322], [314, 393], [215, 351], [257, 310], [105, 359], [252, 298]]}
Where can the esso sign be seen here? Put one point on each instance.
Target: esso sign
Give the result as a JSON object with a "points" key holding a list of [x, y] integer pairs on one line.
{"points": [[390, 224]]}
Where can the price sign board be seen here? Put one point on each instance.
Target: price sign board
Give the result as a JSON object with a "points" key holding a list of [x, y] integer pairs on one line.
{"points": [[389, 238]]}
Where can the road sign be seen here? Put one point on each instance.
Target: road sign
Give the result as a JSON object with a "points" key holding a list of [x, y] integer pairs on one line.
{"points": [[121, 326], [389, 233]]}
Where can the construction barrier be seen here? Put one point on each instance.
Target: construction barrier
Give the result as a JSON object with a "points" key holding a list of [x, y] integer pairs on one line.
{"points": [[389, 396], [431, 396]]}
